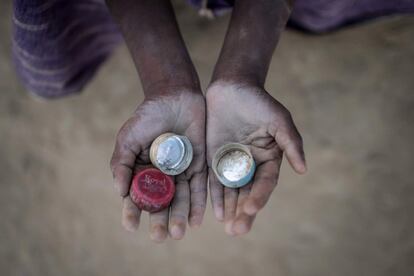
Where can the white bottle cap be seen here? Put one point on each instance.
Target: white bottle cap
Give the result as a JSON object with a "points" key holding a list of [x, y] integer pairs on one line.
{"points": [[171, 153], [233, 164]]}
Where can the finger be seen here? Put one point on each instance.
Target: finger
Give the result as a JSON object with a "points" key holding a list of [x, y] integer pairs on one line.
{"points": [[158, 225], [122, 165], [262, 155], [198, 192], [264, 182], [216, 195], [290, 141], [242, 222], [179, 209], [133, 137], [130, 215], [243, 195], [230, 205]]}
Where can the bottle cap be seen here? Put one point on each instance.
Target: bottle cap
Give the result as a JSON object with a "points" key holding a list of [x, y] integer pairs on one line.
{"points": [[152, 190], [171, 153], [233, 164]]}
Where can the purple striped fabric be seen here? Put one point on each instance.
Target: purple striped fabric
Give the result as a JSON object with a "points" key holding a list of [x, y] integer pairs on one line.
{"points": [[58, 45], [320, 16]]}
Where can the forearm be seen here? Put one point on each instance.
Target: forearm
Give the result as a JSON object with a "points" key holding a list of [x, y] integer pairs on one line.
{"points": [[251, 38], [157, 48]]}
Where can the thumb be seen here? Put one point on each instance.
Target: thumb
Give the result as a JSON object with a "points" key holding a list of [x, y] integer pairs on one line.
{"points": [[290, 141]]}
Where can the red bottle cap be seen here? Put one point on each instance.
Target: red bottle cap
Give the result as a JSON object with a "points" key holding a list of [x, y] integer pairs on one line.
{"points": [[152, 190]]}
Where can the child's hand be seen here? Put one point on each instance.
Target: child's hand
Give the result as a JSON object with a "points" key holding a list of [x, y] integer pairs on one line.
{"points": [[249, 115], [180, 112]]}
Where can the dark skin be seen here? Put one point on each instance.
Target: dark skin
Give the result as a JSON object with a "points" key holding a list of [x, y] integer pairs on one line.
{"points": [[257, 120], [174, 103]]}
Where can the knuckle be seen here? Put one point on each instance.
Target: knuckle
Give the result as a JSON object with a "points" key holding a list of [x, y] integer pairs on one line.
{"points": [[180, 183], [181, 199], [283, 138], [259, 203], [274, 154], [198, 189], [178, 218], [266, 179], [198, 207], [199, 169]]}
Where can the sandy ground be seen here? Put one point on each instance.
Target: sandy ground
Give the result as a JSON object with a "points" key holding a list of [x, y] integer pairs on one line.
{"points": [[351, 93]]}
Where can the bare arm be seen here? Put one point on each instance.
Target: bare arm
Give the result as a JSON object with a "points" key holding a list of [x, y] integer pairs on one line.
{"points": [[155, 42], [239, 109], [251, 38], [173, 103]]}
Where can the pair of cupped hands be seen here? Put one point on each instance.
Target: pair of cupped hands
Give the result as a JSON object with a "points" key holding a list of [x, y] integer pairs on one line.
{"points": [[229, 112]]}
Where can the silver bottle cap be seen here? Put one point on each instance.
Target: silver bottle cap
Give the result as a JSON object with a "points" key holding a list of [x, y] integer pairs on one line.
{"points": [[171, 153], [233, 165]]}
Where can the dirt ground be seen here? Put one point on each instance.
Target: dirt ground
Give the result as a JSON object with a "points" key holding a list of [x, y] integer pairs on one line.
{"points": [[352, 95]]}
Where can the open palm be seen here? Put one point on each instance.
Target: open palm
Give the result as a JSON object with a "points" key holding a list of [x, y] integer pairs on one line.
{"points": [[183, 113], [249, 115]]}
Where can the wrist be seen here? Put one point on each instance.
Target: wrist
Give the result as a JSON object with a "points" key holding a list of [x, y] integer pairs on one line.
{"points": [[152, 35], [252, 36], [244, 65], [223, 86], [240, 80], [167, 87]]}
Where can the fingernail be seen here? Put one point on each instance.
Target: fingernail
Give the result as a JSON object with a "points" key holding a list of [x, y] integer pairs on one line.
{"points": [[240, 228], [301, 169], [158, 233], [130, 224], [218, 212], [194, 222], [176, 232], [305, 167]]}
